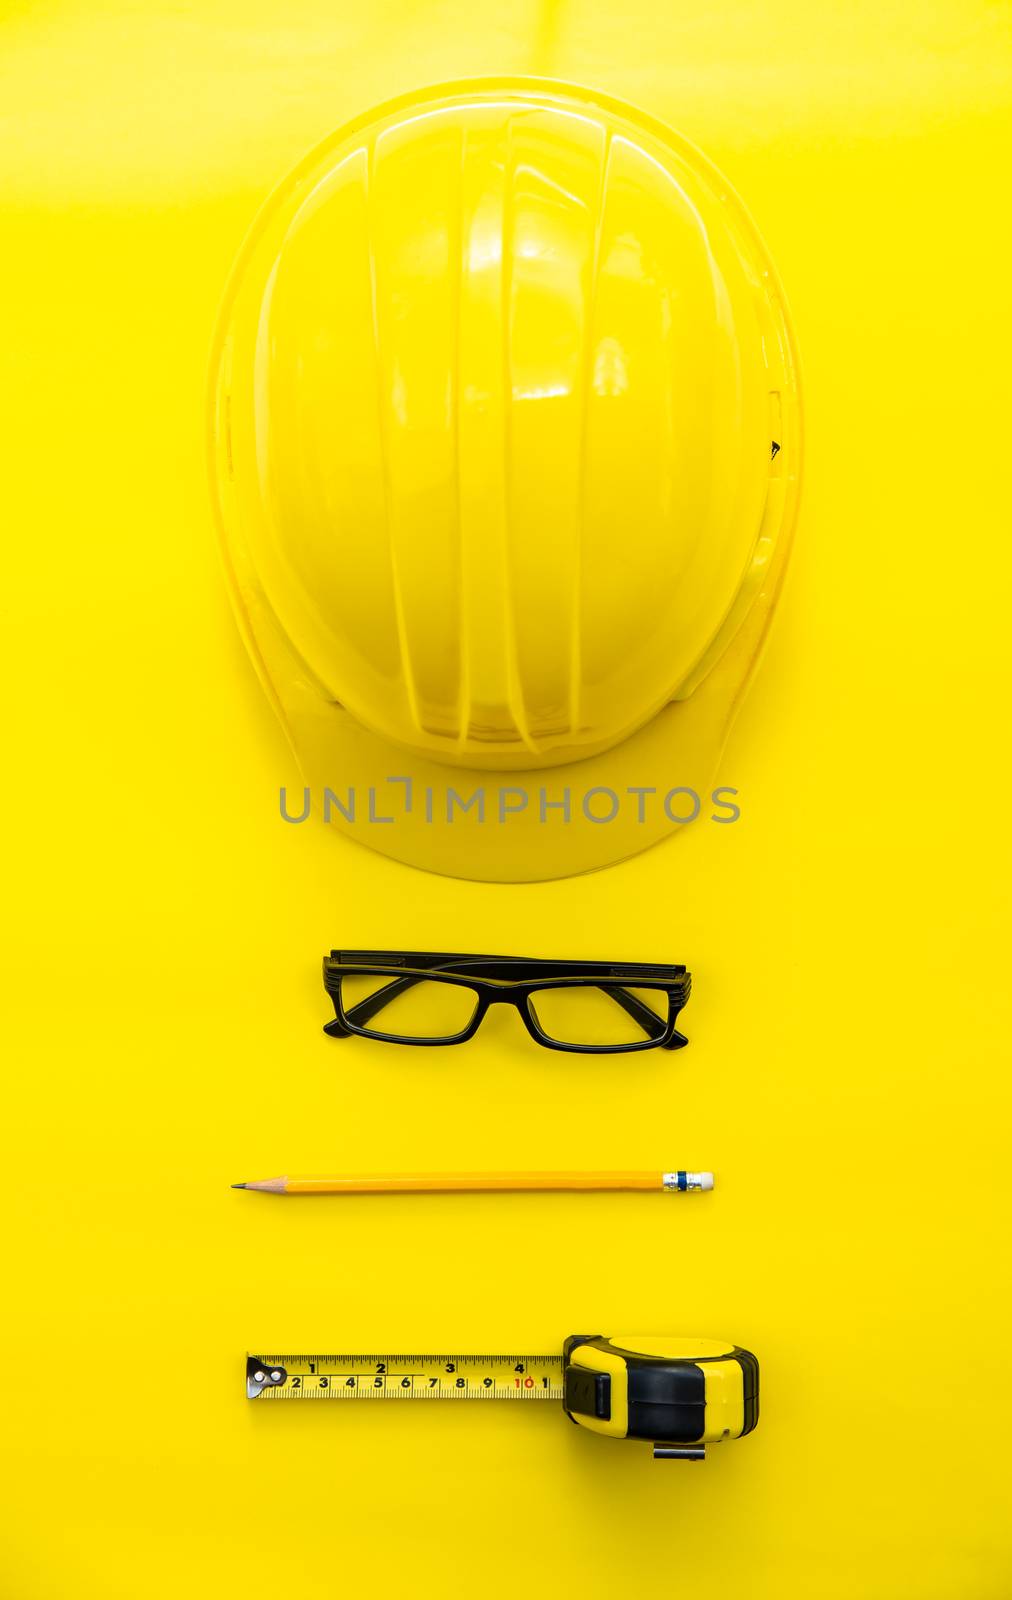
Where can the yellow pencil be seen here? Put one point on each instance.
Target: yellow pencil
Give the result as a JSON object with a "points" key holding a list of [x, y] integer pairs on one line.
{"points": [[446, 1182]]}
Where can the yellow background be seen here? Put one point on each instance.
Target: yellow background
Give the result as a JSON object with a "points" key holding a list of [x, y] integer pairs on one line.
{"points": [[847, 1076]]}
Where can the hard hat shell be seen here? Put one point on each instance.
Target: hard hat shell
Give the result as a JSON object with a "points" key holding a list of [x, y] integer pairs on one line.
{"points": [[505, 445]]}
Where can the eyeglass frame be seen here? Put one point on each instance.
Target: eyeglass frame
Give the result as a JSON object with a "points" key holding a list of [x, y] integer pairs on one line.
{"points": [[525, 977]]}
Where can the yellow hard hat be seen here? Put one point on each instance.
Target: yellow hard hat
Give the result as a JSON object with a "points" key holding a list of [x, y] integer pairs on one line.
{"points": [[505, 445]]}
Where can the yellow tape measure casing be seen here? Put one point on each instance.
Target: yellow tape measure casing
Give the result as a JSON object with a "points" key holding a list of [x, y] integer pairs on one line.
{"points": [[679, 1391]]}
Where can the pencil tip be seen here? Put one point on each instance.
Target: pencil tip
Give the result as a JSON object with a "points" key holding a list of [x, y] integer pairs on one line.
{"points": [[238, 1186]]}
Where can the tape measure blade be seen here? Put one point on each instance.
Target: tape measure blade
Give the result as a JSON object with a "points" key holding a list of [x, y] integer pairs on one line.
{"points": [[404, 1377]]}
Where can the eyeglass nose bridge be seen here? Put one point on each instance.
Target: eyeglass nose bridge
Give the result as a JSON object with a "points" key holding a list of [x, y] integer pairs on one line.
{"points": [[512, 995], [507, 995]]}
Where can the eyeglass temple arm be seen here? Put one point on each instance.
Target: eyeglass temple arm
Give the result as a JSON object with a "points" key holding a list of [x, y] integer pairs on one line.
{"points": [[367, 1008], [653, 1025]]}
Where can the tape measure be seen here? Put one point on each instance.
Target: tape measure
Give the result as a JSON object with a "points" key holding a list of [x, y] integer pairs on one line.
{"points": [[682, 1394]]}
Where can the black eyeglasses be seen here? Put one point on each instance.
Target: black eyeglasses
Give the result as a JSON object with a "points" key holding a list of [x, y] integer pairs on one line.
{"points": [[411, 997]]}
